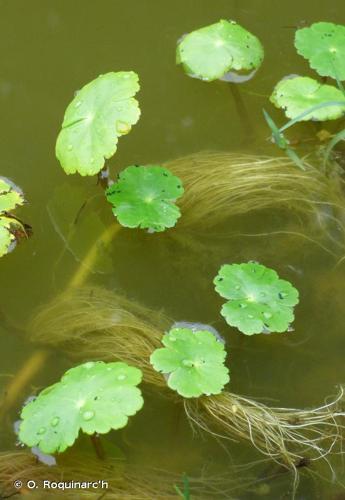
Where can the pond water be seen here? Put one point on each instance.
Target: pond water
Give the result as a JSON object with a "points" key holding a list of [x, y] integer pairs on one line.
{"points": [[51, 48]]}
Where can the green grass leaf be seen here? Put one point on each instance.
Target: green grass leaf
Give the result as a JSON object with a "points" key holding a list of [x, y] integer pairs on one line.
{"points": [[259, 301], [212, 51], [92, 397], [144, 197], [193, 361], [308, 99], [323, 45], [340, 136], [101, 112], [280, 140]]}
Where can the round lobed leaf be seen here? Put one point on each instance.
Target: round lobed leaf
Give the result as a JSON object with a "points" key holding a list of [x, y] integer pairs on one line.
{"points": [[7, 238], [297, 95], [323, 44], [144, 197], [193, 361], [100, 113], [11, 196], [93, 397], [212, 51], [259, 301]]}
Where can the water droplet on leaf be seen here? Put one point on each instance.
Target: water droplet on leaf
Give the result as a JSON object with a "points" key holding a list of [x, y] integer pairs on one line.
{"points": [[122, 127], [88, 415], [187, 362], [55, 421]]}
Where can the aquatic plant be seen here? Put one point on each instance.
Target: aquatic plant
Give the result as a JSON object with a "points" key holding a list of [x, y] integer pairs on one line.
{"points": [[306, 96], [94, 323], [259, 301], [323, 45], [193, 362], [125, 481], [101, 112], [11, 228], [212, 52], [94, 397], [144, 197], [220, 186], [185, 494], [131, 332]]}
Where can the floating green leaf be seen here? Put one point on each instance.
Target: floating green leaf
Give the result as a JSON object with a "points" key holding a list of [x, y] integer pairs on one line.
{"points": [[193, 361], [11, 196], [259, 301], [212, 51], [299, 94], [323, 44], [93, 397], [100, 113], [144, 197]]}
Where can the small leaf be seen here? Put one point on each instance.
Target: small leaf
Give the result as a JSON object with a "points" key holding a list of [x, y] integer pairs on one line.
{"points": [[193, 361], [259, 301], [11, 196], [93, 397], [7, 238], [100, 113], [323, 44], [298, 95], [144, 197], [209, 53]]}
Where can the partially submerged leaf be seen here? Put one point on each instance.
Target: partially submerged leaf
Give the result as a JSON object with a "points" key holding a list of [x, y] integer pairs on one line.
{"points": [[209, 53], [7, 238], [144, 197], [323, 44], [298, 95], [100, 113], [259, 301], [193, 361], [11, 196], [94, 397]]}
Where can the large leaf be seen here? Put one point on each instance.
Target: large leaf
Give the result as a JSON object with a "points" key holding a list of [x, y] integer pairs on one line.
{"points": [[144, 197], [93, 397], [323, 44], [193, 361], [212, 51], [299, 94], [100, 113], [259, 301]]}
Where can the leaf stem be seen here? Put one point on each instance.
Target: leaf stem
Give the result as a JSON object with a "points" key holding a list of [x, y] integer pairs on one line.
{"points": [[34, 364], [98, 446], [242, 111]]}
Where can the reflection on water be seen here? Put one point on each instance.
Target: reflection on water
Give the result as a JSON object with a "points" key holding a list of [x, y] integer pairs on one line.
{"points": [[50, 49]]}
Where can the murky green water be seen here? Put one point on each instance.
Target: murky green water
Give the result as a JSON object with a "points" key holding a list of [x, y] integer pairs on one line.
{"points": [[50, 48]]}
